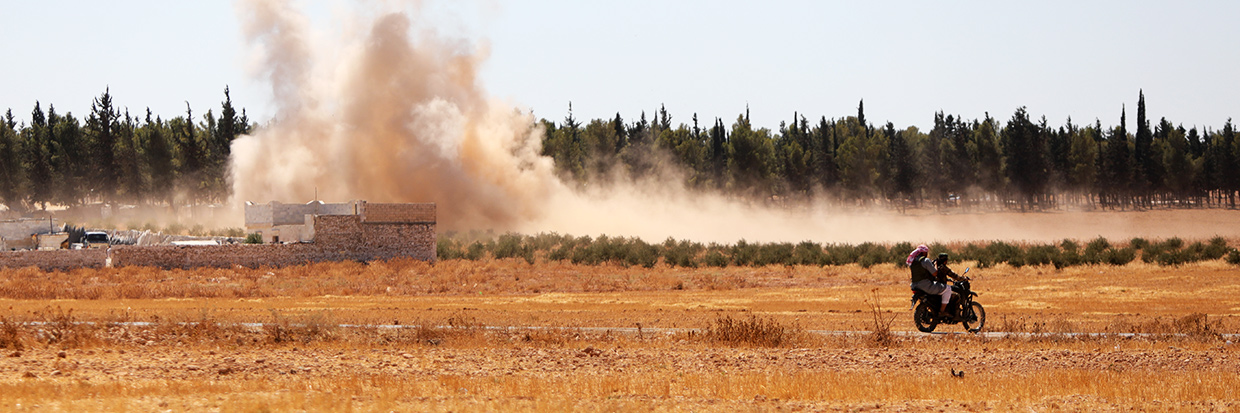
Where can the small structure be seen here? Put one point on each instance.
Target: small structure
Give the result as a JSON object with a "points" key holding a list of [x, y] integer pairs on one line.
{"points": [[23, 233], [279, 222]]}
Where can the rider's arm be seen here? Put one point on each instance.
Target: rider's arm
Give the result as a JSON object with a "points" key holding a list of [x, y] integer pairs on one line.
{"points": [[952, 274]]}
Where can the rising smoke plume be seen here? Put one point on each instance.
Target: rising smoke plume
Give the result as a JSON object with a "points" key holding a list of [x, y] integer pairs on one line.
{"points": [[386, 117], [387, 110]]}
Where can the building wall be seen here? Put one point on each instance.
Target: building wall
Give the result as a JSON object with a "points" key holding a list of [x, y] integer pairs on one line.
{"points": [[276, 213], [17, 233]]}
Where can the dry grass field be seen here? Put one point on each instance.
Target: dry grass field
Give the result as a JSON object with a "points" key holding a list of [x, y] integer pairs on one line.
{"points": [[506, 335]]}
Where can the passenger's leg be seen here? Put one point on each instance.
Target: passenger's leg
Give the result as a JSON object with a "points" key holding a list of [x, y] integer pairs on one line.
{"points": [[947, 298]]}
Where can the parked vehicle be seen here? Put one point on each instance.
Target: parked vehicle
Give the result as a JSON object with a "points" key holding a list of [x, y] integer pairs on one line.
{"points": [[96, 239]]}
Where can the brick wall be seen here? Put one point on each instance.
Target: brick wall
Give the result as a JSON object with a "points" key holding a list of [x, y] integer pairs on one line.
{"points": [[408, 213]]}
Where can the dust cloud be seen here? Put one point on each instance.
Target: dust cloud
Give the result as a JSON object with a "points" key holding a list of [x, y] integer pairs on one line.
{"points": [[387, 110]]}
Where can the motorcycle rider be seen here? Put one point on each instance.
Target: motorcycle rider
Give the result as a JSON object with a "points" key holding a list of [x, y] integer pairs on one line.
{"points": [[929, 276]]}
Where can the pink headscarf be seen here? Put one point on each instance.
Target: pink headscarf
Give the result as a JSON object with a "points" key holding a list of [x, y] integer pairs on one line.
{"points": [[921, 249]]}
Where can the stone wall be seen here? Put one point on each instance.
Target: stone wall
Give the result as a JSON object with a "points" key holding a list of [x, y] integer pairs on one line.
{"points": [[336, 238], [54, 259]]}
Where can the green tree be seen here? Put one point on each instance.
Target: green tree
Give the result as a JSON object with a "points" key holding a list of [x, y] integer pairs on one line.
{"points": [[718, 153], [159, 158], [1025, 158], [902, 168], [794, 161], [132, 185], [1144, 171], [190, 154], [987, 156], [823, 153], [859, 160], [101, 127], [12, 177], [70, 159], [1117, 176], [37, 157], [1082, 172], [1177, 163], [752, 156]]}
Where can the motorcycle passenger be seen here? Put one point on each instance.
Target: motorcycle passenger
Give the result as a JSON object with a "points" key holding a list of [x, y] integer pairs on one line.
{"points": [[929, 276]]}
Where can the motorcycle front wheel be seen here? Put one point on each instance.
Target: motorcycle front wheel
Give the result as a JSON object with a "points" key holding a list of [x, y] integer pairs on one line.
{"points": [[924, 319], [974, 317]]}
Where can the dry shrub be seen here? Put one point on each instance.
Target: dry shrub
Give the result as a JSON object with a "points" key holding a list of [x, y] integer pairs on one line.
{"points": [[307, 329], [1061, 326], [880, 333], [62, 328], [754, 331], [204, 328], [458, 329], [11, 334], [547, 336], [1196, 326]]}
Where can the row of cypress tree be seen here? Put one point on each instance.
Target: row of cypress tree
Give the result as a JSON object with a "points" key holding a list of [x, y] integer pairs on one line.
{"points": [[1023, 163]]}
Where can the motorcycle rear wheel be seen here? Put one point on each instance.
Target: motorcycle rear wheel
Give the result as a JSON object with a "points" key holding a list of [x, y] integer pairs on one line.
{"points": [[974, 317], [924, 319]]}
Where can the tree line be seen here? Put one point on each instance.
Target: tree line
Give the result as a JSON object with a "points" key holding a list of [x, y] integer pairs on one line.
{"points": [[117, 157], [1022, 163], [114, 156]]}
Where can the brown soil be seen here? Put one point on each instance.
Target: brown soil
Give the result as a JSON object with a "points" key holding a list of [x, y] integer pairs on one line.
{"points": [[232, 377]]}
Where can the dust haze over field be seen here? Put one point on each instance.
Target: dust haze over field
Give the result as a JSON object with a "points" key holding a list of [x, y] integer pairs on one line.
{"points": [[387, 109]]}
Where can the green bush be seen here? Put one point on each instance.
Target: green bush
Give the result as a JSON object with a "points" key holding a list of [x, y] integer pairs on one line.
{"points": [[1138, 243], [565, 249], [1121, 256], [1000, 251], [1041, 255], [1069, 246], [253, 238], [682, 253], [779, 253], [641, 253], [476, 251], [808, 253], [1166, 252], [1233, 257], [512, 245], [1215, 249], [873, 255], [744, 253], [841, 254], [1095, 250], [714, 258]]}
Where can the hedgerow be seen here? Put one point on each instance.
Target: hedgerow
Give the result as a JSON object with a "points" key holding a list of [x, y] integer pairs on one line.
{"points": [[630, 251]]}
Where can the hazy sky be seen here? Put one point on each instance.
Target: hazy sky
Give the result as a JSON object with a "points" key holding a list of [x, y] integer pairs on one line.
{"points": [[906, 59]]}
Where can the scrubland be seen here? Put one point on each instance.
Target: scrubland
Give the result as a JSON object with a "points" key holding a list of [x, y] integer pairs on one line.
{"points": [[505, 334]]}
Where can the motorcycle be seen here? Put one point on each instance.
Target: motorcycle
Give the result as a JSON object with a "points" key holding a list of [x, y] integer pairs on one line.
{"points": [[960, 310]]}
